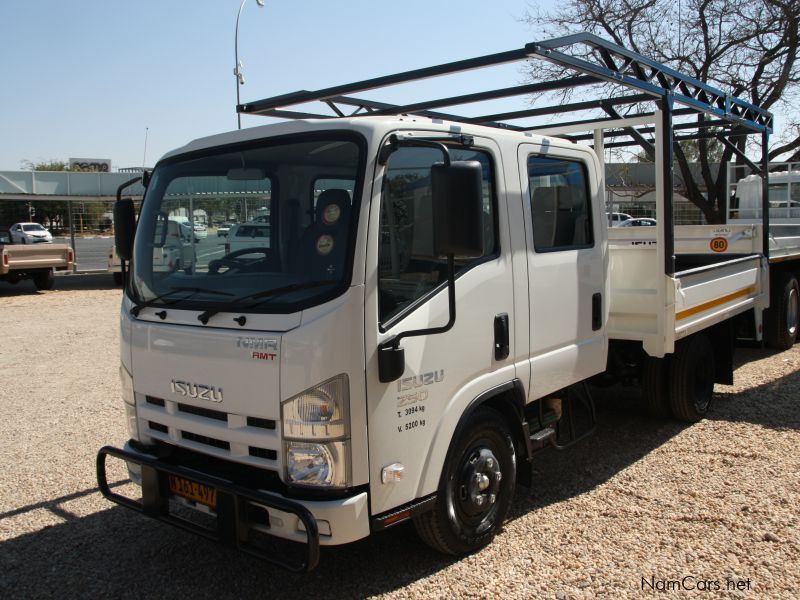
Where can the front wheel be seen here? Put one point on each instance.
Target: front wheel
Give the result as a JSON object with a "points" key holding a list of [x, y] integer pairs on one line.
{"points": [[476, 488]]}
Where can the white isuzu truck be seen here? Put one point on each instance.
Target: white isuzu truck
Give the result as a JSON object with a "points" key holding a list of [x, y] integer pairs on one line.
{"points": [[424, 312]]}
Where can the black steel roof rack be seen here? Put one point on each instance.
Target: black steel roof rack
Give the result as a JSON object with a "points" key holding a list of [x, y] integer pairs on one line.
{"points": [[601, 61], [587, 60]]}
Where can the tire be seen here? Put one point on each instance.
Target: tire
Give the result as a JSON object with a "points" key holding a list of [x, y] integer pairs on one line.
{"points": [[117, 278], [691, 378], [481, 463], [24, 240], [781, 318], [655, 386], [44, 280]]}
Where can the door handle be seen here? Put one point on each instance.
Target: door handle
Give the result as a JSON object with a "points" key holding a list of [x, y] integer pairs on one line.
{"points": [[597, 311], [501, 338]]}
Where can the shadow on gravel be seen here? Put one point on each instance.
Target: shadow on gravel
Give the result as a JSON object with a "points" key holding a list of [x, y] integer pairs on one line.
{"points": [[775, 405], [623, 437], [100, 281], [120, 553]]}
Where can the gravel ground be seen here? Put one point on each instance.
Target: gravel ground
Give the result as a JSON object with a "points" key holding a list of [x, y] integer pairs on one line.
{"points": [[640, 503]]}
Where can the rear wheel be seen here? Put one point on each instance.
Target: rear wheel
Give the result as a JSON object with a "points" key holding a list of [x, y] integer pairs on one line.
{"points": [[781, 318], [476, 488], [691, 378], [44, 280], [655, 386]]}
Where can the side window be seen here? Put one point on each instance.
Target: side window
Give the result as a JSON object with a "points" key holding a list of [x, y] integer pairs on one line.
{"points": [[407, 274], [560, 205]]}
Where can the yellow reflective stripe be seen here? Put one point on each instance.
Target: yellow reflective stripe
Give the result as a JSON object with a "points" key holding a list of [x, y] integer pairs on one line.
{"points": [[713, 303]]}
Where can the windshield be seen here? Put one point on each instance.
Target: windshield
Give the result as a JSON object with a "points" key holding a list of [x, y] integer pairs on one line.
{"points": [[265, 226], [33, 227]]}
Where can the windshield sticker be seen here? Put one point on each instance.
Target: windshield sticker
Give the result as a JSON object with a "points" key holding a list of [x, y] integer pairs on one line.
{"points": [[331, 214], [324, 245]]}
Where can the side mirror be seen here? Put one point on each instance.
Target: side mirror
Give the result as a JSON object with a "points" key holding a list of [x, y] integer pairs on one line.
{"points": [[391, 363], [457, 209], [124, 227]]}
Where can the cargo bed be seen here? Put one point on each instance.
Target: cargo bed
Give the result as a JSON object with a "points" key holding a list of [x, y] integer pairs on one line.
{"points": [[720, 273]]}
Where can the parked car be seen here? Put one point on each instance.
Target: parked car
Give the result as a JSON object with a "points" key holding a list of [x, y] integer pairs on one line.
{"points": [[641, 222], [223, 229], [616, 218], [247, 235], [29, 233], [200, 231]]}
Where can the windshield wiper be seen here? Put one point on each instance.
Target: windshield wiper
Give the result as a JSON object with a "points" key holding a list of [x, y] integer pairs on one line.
{"points": [[264, 295], [194, 290]]}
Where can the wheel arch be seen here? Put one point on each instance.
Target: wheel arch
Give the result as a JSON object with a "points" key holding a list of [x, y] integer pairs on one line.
{"points": [[508, 399]]}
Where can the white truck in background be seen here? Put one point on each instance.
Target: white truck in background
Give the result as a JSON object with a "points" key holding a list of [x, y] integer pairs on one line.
{"points": [[432, 299], [746, 202]]}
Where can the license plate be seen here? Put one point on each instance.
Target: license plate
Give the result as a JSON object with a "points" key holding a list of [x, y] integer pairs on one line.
{"points": [[192, 490]]}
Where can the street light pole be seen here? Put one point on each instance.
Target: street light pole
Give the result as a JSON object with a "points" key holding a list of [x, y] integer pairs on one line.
{"points": [[237, 70]]}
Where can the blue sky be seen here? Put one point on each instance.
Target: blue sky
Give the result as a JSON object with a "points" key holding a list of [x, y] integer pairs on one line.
{"points": [[86, 78]]}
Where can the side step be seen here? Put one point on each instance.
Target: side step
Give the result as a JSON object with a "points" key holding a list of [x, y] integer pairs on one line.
{"points": [[564, 432], [542, 438]]}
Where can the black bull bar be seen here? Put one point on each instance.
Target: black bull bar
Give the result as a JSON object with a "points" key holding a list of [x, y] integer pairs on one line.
{"points": [[231, 509]]}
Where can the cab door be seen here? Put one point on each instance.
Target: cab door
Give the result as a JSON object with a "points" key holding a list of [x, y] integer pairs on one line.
{"points": [[411, 420], [567, 262]]}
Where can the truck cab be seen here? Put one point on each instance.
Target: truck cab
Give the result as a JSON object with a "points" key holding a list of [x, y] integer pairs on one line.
{"points": [[267, 357]]}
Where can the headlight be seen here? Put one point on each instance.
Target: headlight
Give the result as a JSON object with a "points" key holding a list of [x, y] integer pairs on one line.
{"points": [[325, 464], [316, 430], [127, 386], [320, 413]]}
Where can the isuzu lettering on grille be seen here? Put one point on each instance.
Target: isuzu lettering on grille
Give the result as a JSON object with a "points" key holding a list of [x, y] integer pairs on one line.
{"points": [[196, 390]]}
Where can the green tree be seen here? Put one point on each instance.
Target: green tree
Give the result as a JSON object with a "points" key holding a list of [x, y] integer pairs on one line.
{"points": [[46, 165]]}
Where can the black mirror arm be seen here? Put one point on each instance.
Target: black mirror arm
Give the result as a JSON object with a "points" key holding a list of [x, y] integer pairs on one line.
{"points": [[391, 357], [451, 298]]}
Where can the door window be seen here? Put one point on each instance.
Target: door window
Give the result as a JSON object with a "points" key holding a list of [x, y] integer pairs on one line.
{"points": [[559, 197], [406, 273]]}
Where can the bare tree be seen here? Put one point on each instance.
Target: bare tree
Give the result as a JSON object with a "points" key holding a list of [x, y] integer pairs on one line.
{"points": [[749, 48]]}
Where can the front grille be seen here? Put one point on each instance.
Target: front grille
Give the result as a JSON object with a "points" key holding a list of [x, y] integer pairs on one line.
{"points": [[203, 412], [242, 439], [263, 453], [204, 439], [262, 423], [158, 427]]}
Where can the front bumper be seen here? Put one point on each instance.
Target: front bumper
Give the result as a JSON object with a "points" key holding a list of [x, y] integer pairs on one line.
{"points": [[235, 504]]}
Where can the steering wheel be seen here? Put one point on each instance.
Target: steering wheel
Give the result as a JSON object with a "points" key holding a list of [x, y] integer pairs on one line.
{"points": [[232, 260]]}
